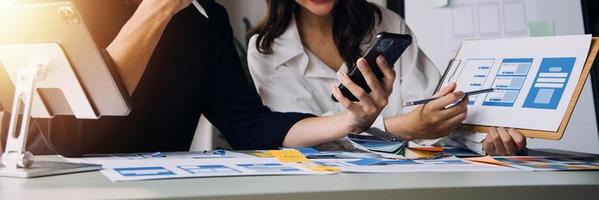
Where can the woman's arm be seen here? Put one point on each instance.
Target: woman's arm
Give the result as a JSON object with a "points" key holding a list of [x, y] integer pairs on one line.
{"points": [[432, 120], [360, 115], [281, 91], [133, 46]]}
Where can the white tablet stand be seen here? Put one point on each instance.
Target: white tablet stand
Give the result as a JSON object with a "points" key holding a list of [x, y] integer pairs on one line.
{"points": [[32, 68], [50, 63]]}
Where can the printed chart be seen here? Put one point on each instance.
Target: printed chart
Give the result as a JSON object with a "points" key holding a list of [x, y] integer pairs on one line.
{"points": [[143, 171], [508, 82], [473, 75], [550, 83], [269, 167], [208, 169]]}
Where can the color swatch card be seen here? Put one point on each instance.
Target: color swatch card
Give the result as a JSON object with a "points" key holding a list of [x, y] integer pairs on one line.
{"points": [[377, 145]]}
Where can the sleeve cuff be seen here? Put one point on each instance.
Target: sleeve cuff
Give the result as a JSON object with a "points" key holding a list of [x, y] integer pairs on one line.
{"points": [[287, 120]]}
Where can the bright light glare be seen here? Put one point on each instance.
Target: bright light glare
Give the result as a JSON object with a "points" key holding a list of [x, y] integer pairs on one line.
{"points": [[5, 3]]}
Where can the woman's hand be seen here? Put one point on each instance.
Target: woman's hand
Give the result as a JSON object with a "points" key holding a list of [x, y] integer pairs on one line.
{"points": [[363, 113], [504, 142], [313, 131], [434, 119]]}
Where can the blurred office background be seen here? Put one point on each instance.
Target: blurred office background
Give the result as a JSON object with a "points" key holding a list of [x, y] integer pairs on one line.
{"points": [[441, 25]]}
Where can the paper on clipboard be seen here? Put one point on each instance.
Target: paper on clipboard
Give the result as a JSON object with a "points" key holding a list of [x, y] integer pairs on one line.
{"points": [[535, 79]]}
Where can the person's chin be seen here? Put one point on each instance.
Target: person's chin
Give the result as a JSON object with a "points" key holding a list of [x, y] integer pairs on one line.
{"points": [[321, 2], [321, 12]]}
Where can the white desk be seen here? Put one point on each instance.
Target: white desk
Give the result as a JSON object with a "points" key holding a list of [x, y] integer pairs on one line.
{"points": [[479, 185]]}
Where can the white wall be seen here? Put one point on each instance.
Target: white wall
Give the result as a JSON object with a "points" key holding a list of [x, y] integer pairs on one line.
{"points": [[428, 29], [238, 9], [429, 25]]}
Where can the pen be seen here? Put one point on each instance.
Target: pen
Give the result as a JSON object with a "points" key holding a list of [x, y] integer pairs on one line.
{"points": [[454, 70], [423, 101], [158, 155], [200, 8]]}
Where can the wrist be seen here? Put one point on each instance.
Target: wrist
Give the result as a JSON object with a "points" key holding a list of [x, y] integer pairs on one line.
{"points": [[350, 125], [400, 127], [163, 8]]}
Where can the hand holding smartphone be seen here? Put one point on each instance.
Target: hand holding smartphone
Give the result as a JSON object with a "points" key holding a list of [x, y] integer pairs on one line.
{"points": [[390, 46]]}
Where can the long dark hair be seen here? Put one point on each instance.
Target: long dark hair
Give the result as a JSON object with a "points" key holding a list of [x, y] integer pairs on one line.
{"points": [[352, 21]]}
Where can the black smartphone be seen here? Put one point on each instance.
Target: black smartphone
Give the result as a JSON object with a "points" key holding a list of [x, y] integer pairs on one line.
{"points": [[391, 46]]}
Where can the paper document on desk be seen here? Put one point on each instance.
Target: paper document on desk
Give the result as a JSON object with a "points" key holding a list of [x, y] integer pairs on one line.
{"points": [[148, 166], [451, 164], [150, 169]]}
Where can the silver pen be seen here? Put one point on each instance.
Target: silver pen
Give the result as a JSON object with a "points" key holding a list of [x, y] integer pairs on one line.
{"points": [[423, 101], [200, 8]]}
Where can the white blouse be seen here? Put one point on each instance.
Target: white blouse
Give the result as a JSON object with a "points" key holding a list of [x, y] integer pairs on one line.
{"points": [[293, 79]]}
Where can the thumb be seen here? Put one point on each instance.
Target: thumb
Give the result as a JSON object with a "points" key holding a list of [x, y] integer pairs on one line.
{"points": [[446, 90]]}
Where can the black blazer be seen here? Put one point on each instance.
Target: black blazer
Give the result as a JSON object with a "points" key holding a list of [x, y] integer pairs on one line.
{"points": [[195, 70]]}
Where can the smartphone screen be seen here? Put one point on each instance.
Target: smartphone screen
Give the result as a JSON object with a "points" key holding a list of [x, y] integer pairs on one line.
{"points": [[391, 46]]}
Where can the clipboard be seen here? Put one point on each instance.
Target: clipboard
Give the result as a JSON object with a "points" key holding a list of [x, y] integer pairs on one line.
{"points": [[550, 135]]}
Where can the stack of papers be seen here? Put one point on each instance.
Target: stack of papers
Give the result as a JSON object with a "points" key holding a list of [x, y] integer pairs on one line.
{"points": [[472, 141]]}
